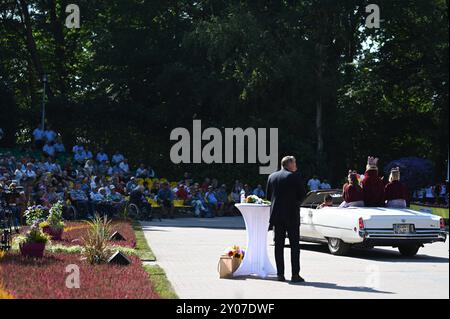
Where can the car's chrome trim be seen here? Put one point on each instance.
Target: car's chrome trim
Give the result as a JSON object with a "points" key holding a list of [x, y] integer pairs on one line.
{"points": [[326, 226], [433, 234]]}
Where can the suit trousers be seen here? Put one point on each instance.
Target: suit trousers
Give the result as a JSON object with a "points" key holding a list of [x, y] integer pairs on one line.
{"points": [[293, 232]]}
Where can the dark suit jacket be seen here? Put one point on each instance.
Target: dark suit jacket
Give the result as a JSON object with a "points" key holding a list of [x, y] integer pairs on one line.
{"points": [[286, 191]]}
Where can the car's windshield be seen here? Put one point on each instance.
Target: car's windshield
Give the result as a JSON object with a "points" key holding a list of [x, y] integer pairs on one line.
{"points": [[314, 199]]}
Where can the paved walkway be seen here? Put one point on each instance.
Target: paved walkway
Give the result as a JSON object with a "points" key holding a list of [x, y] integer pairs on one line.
{"points": [[189, 249]]}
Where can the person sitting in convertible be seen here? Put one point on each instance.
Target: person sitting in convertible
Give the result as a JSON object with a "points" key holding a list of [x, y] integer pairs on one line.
{"points": [[396, 193], [372, 185], [327, 202], [352, 193]]}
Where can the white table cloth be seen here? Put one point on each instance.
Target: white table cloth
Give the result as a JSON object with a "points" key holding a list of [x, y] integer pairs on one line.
{"points": [[256, 261]]}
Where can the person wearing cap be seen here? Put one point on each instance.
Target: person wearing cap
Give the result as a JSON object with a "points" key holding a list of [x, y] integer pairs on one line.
{"points": [[100, 202], [396, 193], [352, 193], [137, 198], [131, 185], [372, 184]]}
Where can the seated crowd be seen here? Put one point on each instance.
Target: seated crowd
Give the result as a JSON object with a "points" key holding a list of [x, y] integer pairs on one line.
{"points": [[97, 184]]}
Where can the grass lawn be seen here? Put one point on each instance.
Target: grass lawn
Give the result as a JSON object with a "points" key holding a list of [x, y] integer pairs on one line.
{"points": [[46, 278], [161, 285], [142, 247]]}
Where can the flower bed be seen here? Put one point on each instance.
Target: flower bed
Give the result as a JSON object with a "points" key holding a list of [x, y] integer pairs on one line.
{"points": [[46, 278], [75, 231]]}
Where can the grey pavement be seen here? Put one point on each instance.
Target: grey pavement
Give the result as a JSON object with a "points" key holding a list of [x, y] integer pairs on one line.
{"points": [[189, 249]]}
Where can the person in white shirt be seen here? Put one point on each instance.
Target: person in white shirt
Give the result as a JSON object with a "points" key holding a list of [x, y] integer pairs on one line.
{"points": [[151, 172], [124, 167], [88, 154], [59, 146], [18, 176], [117, 158], [39, 137], [51, 166], [77, 148], [50, 135], [429, 194], [110, 170], [49, 149], [325, 185], [314, 184], [29, 172], [96, 195], [89, 167], [102, 156], [80, 157], [141, 172]]}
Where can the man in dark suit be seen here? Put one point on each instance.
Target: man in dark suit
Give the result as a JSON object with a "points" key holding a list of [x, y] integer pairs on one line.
{"points": [[285, 190]]}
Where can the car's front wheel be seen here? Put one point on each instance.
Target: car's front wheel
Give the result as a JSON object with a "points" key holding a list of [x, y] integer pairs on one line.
{"points": [[409, 250], [338, 247]]}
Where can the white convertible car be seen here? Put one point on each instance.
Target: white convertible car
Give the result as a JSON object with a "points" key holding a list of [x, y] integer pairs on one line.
{"points": [[342, 228]]}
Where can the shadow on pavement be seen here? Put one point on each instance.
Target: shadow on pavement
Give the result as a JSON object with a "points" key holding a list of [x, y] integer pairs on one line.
{"points": [[321, 285], [377, 254], [206, 223], [324, 285]]}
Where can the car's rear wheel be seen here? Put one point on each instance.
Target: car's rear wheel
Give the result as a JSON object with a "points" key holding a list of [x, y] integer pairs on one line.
{"points": [[409, 250], [338, 247]]}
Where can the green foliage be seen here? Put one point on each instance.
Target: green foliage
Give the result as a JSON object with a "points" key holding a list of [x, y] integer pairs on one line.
{"points": [[160, 282], [96, 249], [79, 249], [142, 248], [34, 214], [137, 69], [34, 235], [54, 219]]}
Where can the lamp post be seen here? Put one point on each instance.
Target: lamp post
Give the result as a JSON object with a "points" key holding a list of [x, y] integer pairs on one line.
{"points": [[44, 81]]}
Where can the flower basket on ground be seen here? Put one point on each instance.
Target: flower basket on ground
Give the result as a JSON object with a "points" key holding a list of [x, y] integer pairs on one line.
{"points": [[54, 225], [230, 262], [33, 243]]}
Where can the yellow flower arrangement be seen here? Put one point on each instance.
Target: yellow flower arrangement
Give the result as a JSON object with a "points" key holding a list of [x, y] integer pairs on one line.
{"points": [[235, 252]]}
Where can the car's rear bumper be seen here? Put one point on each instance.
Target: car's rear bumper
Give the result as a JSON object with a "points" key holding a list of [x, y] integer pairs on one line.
{"points": [[389, 238]]}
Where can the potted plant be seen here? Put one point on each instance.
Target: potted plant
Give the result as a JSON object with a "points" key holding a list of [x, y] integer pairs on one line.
{"points": [[33, 243], [54, 225]]}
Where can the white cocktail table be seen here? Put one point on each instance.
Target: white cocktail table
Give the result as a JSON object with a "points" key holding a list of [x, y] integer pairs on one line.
{"points": [[256, 261]]}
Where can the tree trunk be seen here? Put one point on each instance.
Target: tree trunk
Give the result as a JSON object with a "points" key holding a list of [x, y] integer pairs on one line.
{"points": [[30, 42], [60, 54], [319, 104]]}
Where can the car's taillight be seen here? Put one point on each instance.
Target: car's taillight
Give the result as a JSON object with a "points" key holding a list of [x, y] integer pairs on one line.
{"points": [[442, 222], [361, 224]]}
